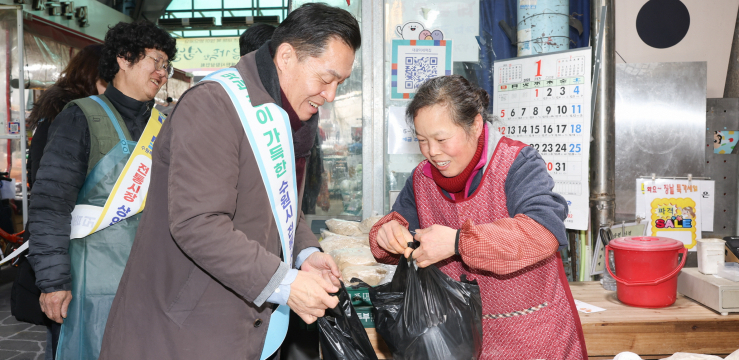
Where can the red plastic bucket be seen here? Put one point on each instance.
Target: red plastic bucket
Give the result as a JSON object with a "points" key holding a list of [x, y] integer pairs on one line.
{"points": [[647, 269]]}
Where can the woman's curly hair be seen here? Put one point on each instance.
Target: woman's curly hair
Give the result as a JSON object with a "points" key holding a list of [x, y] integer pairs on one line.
{"points": [[130, 41]]}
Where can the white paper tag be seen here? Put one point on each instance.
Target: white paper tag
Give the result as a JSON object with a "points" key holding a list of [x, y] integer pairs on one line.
{"points": [[587, 308]]}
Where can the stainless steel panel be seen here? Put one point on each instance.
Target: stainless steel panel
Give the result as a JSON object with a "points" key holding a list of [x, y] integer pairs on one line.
{"points": [[660, 125], [722, 114]]}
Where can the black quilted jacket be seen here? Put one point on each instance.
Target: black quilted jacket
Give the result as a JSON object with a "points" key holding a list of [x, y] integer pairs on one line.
{"points": [[60, 176]]}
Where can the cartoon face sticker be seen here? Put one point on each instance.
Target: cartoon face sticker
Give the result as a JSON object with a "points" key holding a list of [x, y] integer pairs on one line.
{"points": [[717, 139], [437, 35], [425, 35], [410, 31]]}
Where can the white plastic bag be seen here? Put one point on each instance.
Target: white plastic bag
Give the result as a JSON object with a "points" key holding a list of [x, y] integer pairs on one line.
{"points": [[366, 225], [360, 256], [390, 273], [341, 242], [372, 275], [343, 227]]}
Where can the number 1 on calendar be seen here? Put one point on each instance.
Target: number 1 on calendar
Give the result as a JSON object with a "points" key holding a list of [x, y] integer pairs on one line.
{"points": [[538, 68]]}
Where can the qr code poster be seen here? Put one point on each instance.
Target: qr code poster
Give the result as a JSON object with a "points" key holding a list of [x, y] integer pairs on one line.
{"points": [[415, 61]]}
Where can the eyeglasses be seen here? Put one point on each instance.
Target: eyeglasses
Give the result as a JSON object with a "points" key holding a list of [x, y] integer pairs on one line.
{"points": [[160, 64]]}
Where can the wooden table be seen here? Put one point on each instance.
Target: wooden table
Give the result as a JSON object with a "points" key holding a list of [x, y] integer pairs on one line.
{"points": [[686, 326]]}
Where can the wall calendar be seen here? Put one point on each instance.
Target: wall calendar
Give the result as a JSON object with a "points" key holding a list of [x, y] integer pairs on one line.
{"points": [[544, 101]]}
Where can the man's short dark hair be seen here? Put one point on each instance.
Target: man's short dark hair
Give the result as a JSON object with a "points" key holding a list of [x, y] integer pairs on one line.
{"points": [[130, 41], [169, 99], [254, 37], [309, 28]]}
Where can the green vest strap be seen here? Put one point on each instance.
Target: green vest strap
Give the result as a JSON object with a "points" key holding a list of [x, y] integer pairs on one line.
{"points": [[103, 132]]}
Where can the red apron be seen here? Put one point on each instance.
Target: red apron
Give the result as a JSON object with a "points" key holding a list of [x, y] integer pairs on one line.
{"points": [[527, 314]]}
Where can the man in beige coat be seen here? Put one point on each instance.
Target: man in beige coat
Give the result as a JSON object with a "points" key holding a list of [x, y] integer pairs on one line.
{"points": [[206, 272]]}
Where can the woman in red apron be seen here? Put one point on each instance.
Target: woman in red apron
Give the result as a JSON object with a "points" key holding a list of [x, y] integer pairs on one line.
{"points": [[482, 205]]}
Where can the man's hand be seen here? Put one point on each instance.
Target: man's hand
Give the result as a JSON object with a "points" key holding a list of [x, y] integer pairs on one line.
{"points": [[437, 243], [309, 296], [323, 265], [55, 304], [393, 237]]}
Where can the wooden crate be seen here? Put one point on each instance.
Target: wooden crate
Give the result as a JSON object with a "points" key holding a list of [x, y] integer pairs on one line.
{"points": [[381, 349]]}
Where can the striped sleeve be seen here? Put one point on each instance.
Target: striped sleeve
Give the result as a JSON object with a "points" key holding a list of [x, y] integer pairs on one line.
{"points": [[379, 253], [506, 245]]}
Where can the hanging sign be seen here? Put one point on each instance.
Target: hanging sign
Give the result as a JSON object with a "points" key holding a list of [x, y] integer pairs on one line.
{"points": [[544, 101], [206, 53]]}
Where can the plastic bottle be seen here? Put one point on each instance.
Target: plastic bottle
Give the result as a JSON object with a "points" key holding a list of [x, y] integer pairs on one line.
{"points": [[607, 281]]}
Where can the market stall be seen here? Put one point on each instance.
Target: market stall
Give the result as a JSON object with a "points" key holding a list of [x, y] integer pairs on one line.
{"points": [[635, 165], [44, 48], [704, 324], [631, 126]]}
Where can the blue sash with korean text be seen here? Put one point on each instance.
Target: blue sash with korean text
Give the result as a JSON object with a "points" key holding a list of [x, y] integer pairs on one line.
{"points": [[268, 128]]}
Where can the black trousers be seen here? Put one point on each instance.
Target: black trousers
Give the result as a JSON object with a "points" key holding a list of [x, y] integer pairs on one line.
{"points": [[6, 217]]}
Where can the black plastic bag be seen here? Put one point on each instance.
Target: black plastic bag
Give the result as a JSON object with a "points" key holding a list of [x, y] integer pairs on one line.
{"points": [[341, 333], [423, 314]]}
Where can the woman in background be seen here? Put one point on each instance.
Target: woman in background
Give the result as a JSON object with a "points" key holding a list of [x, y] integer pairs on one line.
{"points": [[78, 80], [482, 205]]}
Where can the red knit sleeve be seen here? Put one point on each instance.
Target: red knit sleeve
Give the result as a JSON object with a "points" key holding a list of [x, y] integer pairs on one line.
{"points": [[381, 255], [506, 245]]}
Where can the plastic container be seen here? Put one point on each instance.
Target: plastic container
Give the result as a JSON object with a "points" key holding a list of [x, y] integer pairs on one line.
{"points": [[729, 271], [710, 255], [608, 282], [647, 269]]}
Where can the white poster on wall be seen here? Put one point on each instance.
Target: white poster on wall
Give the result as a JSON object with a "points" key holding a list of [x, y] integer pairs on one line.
{"points": [[544, 101], [401, 139], [437, 20], [673, 209], [705, 195]]}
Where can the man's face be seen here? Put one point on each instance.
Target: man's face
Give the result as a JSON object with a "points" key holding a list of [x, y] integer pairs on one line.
{"points": [[310, 82], [142, 80]]}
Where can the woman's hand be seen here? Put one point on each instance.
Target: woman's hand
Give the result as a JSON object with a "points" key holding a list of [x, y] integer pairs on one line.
{"points": [[437, 243], [393, 237]]}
